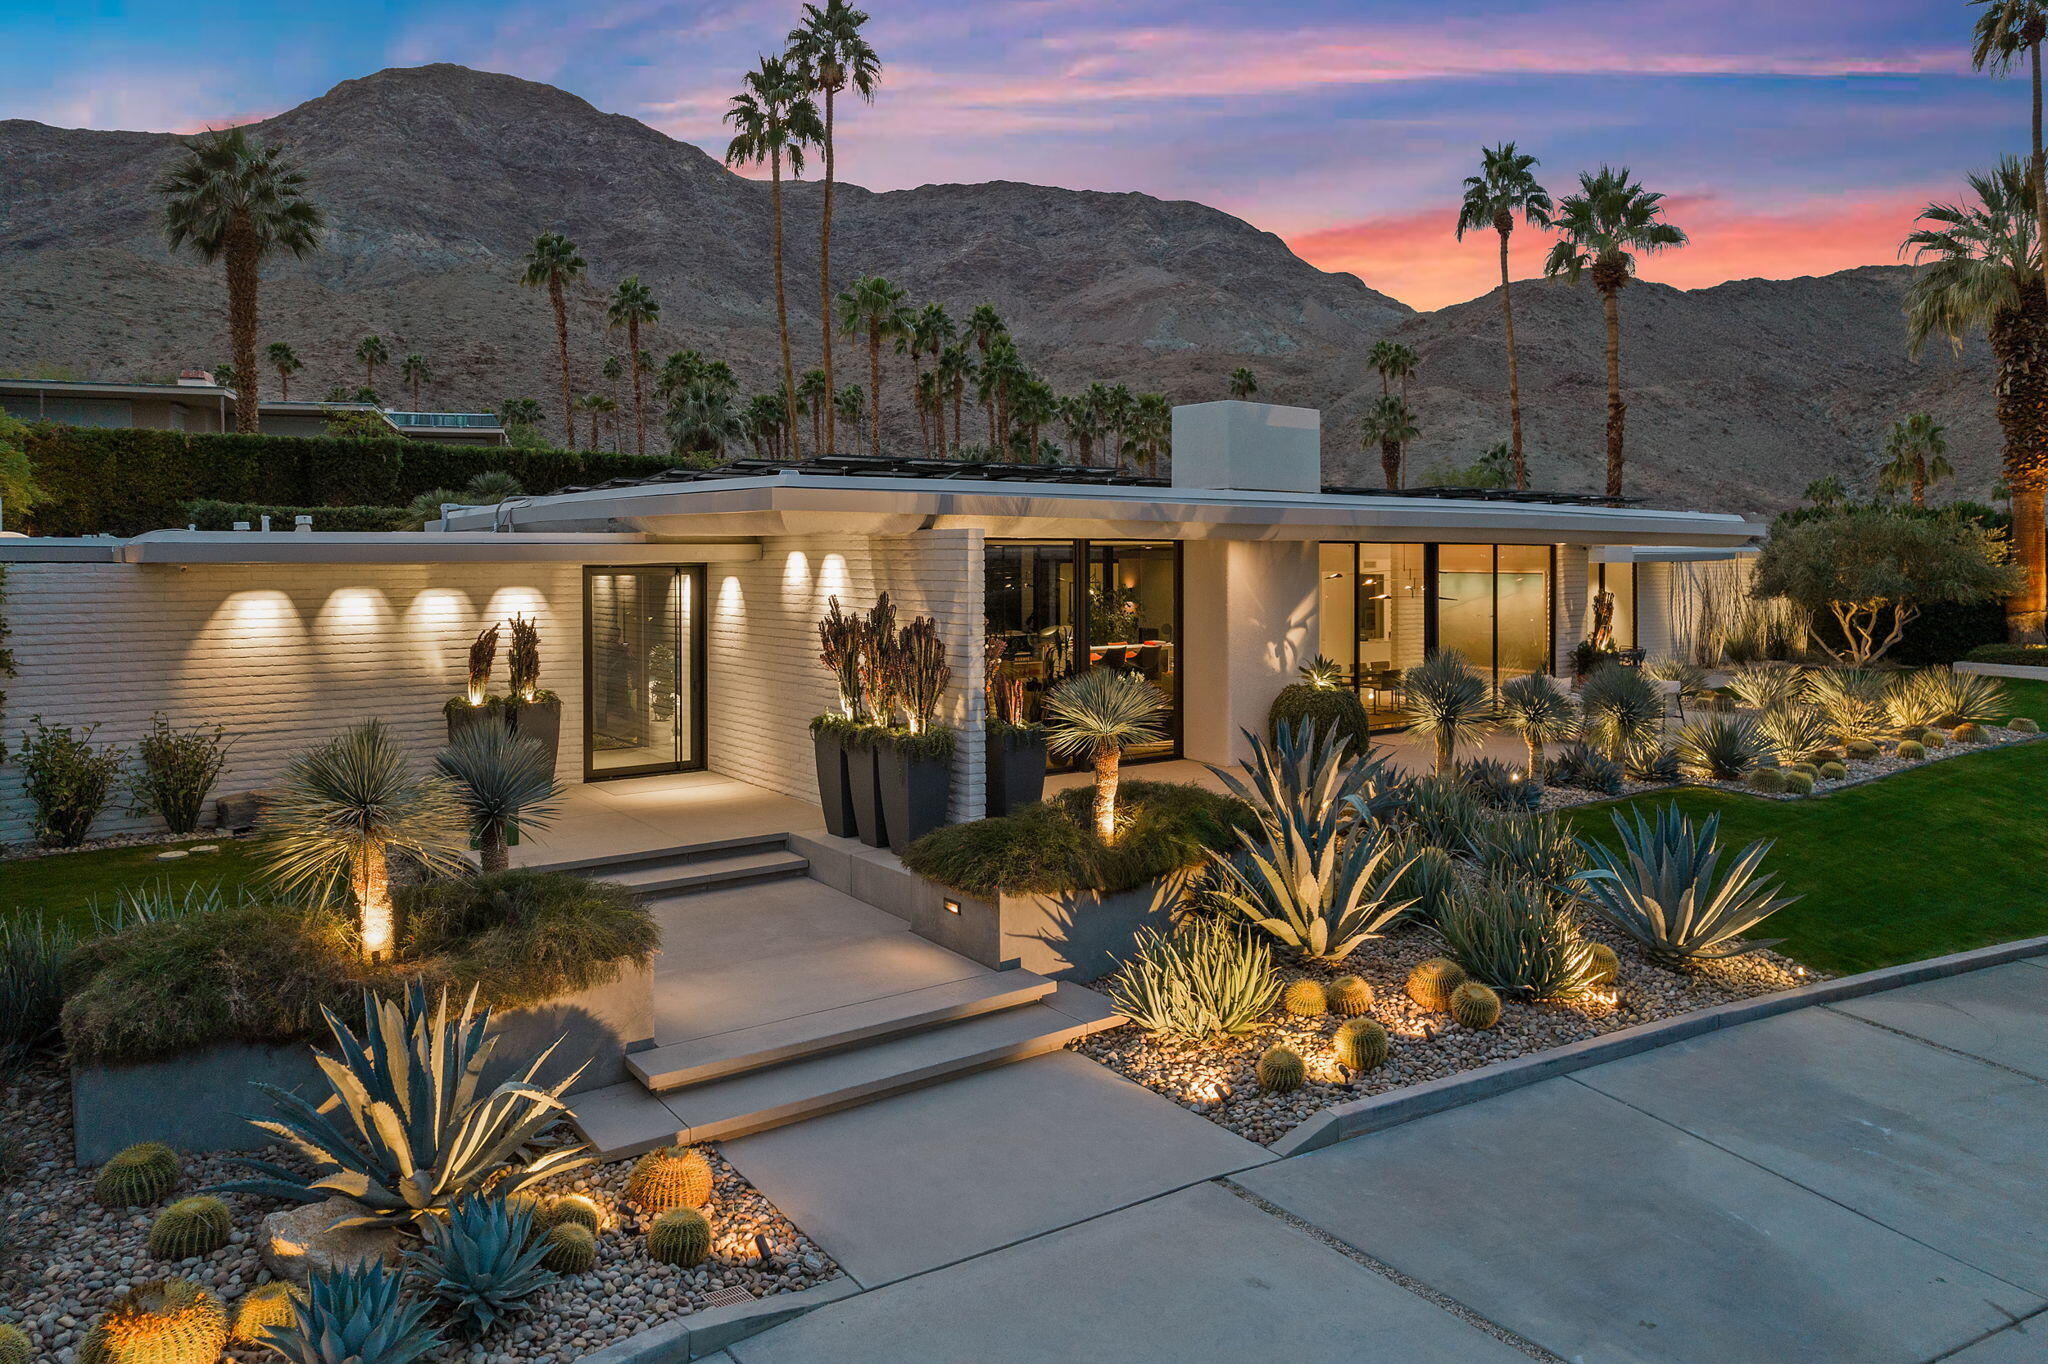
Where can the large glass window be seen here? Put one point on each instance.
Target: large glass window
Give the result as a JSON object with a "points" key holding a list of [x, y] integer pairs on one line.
{"points": [[1618, 583], [1493, 607], [1373, 619], [643, 667]]}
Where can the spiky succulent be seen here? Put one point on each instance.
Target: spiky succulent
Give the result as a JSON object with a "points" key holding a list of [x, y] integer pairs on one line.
{"points": [[680, 1236], [1721, 747], [14, 1344], [1766, 686], [1361, 1044], [1446, 699], [1431, 982], [1533, 707], [1209, 978], [1853, 699], [1949, 698], [1652, 762], [1425, 877], [1583, 768], [1769, 780], [1540, 849], [139, 1174], [1623, 710], [198, 1225], [481, 1262], [1350, 996], [1442, 813], [670, 1177], [1475, 1006], [1606, 964], [1499, 786], [358, 1315], [166, 1321], [566, 1209], [1667, 887], [1305, 998], [1281, 1070], [1515, 937]]}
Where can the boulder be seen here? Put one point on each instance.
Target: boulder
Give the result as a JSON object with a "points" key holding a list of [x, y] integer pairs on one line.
{"points": [[297, 1241]]}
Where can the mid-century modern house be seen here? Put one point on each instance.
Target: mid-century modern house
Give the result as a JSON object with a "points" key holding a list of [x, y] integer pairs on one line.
{"points": [[197, 403], [679, 613]]}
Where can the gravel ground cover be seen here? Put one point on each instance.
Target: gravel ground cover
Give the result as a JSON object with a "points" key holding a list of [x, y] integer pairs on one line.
{"points": [[63, 1257]]}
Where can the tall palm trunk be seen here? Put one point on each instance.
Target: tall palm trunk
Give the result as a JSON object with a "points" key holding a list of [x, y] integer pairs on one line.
{"points": [[825, 287], [1920, 483], [639, 406], [1390, 462], [370, 879], [782, 311], [2039, 166], [875, 389], [924, 439], [939, 420], [817, 428], [1617, 412], [284, 385], [1107, 759], [243, 271], [562, 346], [959, 396], [1505, 225], [2019, 338], [490, 849]]}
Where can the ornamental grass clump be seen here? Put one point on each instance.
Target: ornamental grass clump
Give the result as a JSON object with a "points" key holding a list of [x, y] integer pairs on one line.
{"points": [[1762, 686], [419, 1135], [1210, 978], [1792, 731], [1096, 716], [1721, 747], [482, 1262], [1852, 699], [32, 957], [1445, 698], [67, 780], [1515, 937], [176, 770], [359, 1315], [1668, 887], [1623, 711]]}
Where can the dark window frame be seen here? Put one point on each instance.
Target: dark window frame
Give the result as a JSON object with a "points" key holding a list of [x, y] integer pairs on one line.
{"points": [[698, 644]]}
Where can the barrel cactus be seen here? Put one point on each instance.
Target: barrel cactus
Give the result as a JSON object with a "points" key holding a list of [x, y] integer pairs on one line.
{"points": [[1305, 998], [1823, 755], [1350, 996], [1935, 738], [567, 1209], [1860, 749], [1281, 1070], [1431, 983], [14, 1346], [680, 1236], [572, 1249], [1361, 1044], [1475, 1006], [1834, 772], [2020, 724], [1969, 732], [170, 1321], [191, 1226], [143, 1173], [1769, 780], [1911, 750], [1606, 964], [670, 1177], [1798, 784], [263, 1307]]}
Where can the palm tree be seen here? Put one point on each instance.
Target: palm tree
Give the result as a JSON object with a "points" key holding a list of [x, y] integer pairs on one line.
{"points": [[370, 353], [338, 812], [702, 415], [415, 371], [633, 307], [236, 201], [773, 121], [286, 362], [1391, 361], [1391, 425], [810, 395], [1243, 383], [956, 368], [1534, 708], [850, 404], [519, 412], [765, 417], [1002, 373], [929, 331], [1985, 275], [984, 327], [1606, 225], [1082, 417], [1444, 697], [1503, 190], [551, 263], [873, 307], [505, 783], [2005, 29], [1915, 454], [931, 412], [1097, 715], [1034, 405], [831, 55], [595, 405], [1153, 427]]}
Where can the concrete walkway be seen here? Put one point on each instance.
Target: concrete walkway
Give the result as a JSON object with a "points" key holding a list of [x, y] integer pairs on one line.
{"points": [[1860, 1183]]}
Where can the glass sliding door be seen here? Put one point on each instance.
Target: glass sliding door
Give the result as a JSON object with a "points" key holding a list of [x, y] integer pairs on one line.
{"points": [[1030, 620], [643, 663], [1464, 603], [1134, 622], [1373, 619], [1493, 607]]}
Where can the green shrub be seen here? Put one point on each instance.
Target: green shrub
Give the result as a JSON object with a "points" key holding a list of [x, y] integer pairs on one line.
{"points": [[1329, 710], [1209, 978], [1361, 1044], [2025, 655], [1514, 937], [176, 769], [1052, 849], [482, 1262], [1281, 1070], [524, 936], [208, 514], [67, 779], [1668, 887]]}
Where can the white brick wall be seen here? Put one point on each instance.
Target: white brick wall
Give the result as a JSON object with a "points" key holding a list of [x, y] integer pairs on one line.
{"points": [[1574, 609], [284, 656]]}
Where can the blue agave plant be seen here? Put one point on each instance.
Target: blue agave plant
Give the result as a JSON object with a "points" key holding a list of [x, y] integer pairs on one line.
{"points": [[355, 1316], [483, 1262]]}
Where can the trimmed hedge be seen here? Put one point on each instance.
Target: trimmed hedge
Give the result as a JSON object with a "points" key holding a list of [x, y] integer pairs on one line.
{"points": [[208, 515], [123, 481], [2025, 655]]}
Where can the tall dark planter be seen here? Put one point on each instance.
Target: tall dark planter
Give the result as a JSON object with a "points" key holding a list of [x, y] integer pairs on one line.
{"points": [[864, 777], [465, 717], [540, 721], [915, 794], [835, 783], [1016, 772]]}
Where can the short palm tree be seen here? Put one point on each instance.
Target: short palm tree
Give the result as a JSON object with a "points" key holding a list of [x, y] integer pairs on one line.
{"points": [[505, 783], [1097, 715], [1534, 708], [832, 56], [633, 307], [370, 353], [1393, 362], [810, 395], [337, 813], [1915, 455], [595, 405], [773, 121], [286, 362], [1002, 375], [415, 371], [551, 263], [850, 404], [1390, 425], [955, 369], [874, 309], [1604, 227], [1506, 189], [1243, 383], [703, 416], [1983, 273], [1444, 697], [520, 412], [236, 201]]}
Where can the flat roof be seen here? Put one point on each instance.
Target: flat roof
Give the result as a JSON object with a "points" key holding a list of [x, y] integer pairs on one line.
{"points": [[132, 390], [367, 547]]}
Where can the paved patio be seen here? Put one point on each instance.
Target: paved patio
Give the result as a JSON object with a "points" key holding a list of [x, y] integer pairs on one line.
{"points": [[646, 814]]}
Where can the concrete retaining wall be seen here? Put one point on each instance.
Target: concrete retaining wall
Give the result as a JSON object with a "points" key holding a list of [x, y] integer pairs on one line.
{"points": [[2020, 672]]}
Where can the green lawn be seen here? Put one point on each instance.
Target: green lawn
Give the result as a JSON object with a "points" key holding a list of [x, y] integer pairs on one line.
{"points": [[1941, 859], [65, 886]]}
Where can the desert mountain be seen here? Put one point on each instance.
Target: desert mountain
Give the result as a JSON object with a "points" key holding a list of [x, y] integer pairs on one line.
{"points": [[436, 178]]}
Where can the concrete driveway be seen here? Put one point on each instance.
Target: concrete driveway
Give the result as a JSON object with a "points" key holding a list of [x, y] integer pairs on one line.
{"points": [[1863, 1183]]}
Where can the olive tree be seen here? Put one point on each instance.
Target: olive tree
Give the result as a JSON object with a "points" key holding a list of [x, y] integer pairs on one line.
{"points": [[1873, 568]]}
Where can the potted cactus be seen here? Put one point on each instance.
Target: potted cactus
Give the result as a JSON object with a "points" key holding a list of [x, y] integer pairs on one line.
{"points": [[876, 662], [476, 705], [839, 638], [533, 711], [916, 761]]}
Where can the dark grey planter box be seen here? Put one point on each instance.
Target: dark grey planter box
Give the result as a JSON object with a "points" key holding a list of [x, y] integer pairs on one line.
{"points": [[835, 786], [1016, 773], [540, 721], [916, 794], [466, 717], [864, 777], [200, 1102]]}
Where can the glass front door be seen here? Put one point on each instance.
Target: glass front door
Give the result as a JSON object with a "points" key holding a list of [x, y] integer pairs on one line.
{"points": [[643, 663]]}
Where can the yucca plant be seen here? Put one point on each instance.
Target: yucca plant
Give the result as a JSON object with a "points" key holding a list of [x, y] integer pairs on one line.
{"points": [[418, 1135], [1532, 707], [1689, 677], [1959, 698], [1538, 850], [1514, 936], [1791, 730], [1097, 715], [505, 782], [482, 1261], [1852, 699], [358, 1315], [1761, 686], [1444, 697], [1721, 747], [1583, 768], [1622, 709], [1667, 888], [1209, 979], [1652, 760], [338, 811]]}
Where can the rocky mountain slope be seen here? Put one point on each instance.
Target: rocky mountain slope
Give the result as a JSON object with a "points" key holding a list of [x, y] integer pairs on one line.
{"points": [[436, 179]]}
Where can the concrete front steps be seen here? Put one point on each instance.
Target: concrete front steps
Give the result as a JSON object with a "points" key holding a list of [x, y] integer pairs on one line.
{"points": [[701, 866]]}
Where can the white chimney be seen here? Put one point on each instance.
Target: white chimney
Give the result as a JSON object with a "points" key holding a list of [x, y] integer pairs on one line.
{"points": [[195, 378], [302, 523], [1253, 447]]}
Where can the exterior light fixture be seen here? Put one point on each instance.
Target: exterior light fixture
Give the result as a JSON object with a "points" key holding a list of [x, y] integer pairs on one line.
{"points": [[952, 906]]}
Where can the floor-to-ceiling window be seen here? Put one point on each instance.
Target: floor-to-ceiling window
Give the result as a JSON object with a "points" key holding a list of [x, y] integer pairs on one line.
{"points": [[1618, 583], [1056, 607], [1493, 607], [1374, 618], [643, 662]]}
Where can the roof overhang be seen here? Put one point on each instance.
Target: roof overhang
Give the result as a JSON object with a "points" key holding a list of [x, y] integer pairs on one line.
{"points": [[371, 547], [814, 504]]}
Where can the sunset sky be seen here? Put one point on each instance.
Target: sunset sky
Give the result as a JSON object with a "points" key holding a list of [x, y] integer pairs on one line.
{"points": [[1791, 138]]}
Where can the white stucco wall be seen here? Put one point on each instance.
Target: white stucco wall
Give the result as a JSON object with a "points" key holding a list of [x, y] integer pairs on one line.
{"points": [[1250, 616], [1574, 612]]}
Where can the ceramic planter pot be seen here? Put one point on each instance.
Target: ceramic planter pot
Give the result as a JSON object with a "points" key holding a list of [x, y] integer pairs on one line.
{"points": [[540, 721], [864, 779], [835, 783], [1016, 772], [916, 792], [461, 719]]}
